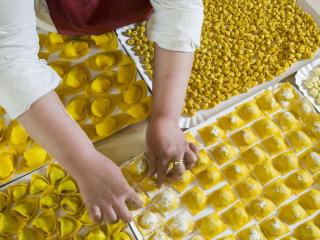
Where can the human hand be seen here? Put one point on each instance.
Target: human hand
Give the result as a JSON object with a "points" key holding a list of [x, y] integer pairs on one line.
{"points": [[166, 144], [105, 190]]}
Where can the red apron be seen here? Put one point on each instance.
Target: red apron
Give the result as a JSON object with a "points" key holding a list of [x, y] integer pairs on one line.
{"points": [[83, 17]]}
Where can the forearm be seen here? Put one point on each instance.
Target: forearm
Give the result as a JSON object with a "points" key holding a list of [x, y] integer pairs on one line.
{"points": [[49, 124], [171, 75]]}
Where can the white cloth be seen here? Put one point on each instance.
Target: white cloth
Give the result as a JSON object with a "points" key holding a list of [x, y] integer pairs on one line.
{"points": [[24, 78]]}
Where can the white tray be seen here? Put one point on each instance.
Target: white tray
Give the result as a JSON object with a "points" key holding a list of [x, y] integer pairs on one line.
{"points": [[201, 116]]}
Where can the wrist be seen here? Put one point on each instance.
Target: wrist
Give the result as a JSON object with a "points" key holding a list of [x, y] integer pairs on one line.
{"points": [[160, 116]]}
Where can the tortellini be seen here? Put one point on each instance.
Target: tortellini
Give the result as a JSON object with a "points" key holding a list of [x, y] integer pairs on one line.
{"points": [[67, 186], [9, 224], [75, 49], [55, 173], [77, 108], [46, 222], [7, 166], [104, 61], [106, 41], [72, 204], [27, 208], [195, 200], [4, 201], [18, 192], [67, 226]]}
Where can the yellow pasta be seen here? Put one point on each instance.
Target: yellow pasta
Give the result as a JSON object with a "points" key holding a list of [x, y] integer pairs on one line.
{"points": [[26, 209], [236, 171], [7, 166], [180, 225], [165, 201], [211, 225], [67, 226], [265, 172], [159, 235], [137, 168], [312, 126], [195, 199], [292, 213], [49, 199], [286, 121], [274, 228], [253, 232], [4, 201], [299, 180], [236, 216], [230, 122], [46, 222], [261, 208], [267, 103], [265, 127], [275, 144], [181, 184], [106, 41], [72, 204], [277, 192], [299, 140], [254, 155], [244, 138], [67, 186], [224, 152], [249, 111], [191, 139], [311, 160], [210, 177], [27, 233], [55, 173], [310, 200], [285, 94], [148, 221], [203, 162], [249, 189], [78, 108], [302, 109], [18, 192], [74, 49], [308, 231], [9, 224], [222, 197], [285, 162], [211, 134]]}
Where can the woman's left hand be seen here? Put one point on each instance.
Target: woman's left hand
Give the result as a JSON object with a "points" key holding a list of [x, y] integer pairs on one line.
{"points": [[166, 144]]}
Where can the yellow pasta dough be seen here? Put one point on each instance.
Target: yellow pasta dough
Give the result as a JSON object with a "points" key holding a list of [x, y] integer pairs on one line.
{"points": [[18, 134], [236, 171], [210, 177], [27, 233], [267, 103], [310, 200], [244, 138], [286, 162], [2, 127], [224, 152], [137, 168], [249, 111], [236, 216], [211, 225], [54, 41], [4, 201], [75, 79], [101, 107], [180, 225], [67, 226], [67, 186], [254, 155], [140, 111], [265, 127], [97, 234], [9, 224], [275, 144], [249, 189], [127, 70], [46, 222], [274, 228], [265, 172], [27, 208], [292, 213], [77, 108], [18, 191], [195, 199], [261, 207], [230, 122], [277, 191], [135, 92], [222, 197], [149, 184], [85, 217], [101, 84], [286, 121], [203, 162], [7, 166], [106, 127], [55, 173], [299, 140], [251, 233], [311, 160], [159, 235], [49, 199], [35, 156], [165, 201], [75, 49], [60, 67], [302, 109], [307, 231], [104, 61], [149, 220], [211, 134], [285, 94], [316, 220], [181, 184], [229, 237], [299, 180], [197, 237], [106, 41], [72, 204]]}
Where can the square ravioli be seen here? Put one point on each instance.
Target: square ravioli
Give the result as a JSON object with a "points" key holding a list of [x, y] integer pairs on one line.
{"points": [[267, 103], [277, 192], [285, 162], [244, 138], [312, 126], [265, 172], [307, 231], [311, 160], [265, 128], [149, 184], [229, 237], [195, 200], [298, 140], [158, 234], [302, 109], [261, 208], [137, 168], [211, 134], [211, 225], [180, 225], [148, 221], [292, 213], [299, 180], [274, 228], [210, 177], [249, 189], [317, 220], [224, 152], [254, 155], [253, 232], [236, 171], [165, 201], [285, 94], [236, 216], [310, 200], [275, 144], [181, 184], [287, 121], [203, 162], [230, 122], [222, 197], [191, 139], [249, 111]]}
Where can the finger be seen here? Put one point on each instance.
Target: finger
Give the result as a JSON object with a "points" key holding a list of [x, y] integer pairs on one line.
{"points": [[162, 170], [135, 200], [178, 169], [109, 214], [190, 158], [122, 211], [194, 148], [152, 165], [95, 213]]}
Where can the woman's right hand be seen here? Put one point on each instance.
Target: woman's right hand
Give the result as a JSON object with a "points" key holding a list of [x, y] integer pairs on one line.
{"points": [[104, 189]]}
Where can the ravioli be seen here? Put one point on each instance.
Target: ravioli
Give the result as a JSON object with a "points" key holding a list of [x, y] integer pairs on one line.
{"points": [[277, 192], [244, 138], [287, 121], [261, 208], [211, 225], [181, 184], [310, 200], [249, 111], [249, 189], [224, 152], [236, 216], [222, 197], [148, 221], [180, 225], [286, 162], [236, 171], [253, 232], [307, 230], [267, 103], [299, 140], [265, 172], [311, 160], [302, 109], [230, 122], [274, 227], [254, 156], [211, 134], [265, 128], [299, 180], [275, 144], [165, 201], [292, 213], [210, 177], [203, 162], [195, 200]]}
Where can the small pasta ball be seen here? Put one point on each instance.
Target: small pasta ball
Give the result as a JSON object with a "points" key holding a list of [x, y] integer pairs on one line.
{"points": [[277, 192], [302, 109], [265, 172], [181, 184], [298, 140], [267, 103], [292, 213], [261, 208], [311, 160], [286, 121], [236, 216], [310, 200], [211, 134], [275, 144], [195, 200], [286, 162], [265, 128], [211, 225], [236, 171], [230, 122], [180, 225], [249, 111], [253, 232], [244, 138], [254, 155], [224, 152], [165, 201], [222, 197], [249, 189], [307, 230], [210, 177], [274, 228], [203, 162], [299, 180]]}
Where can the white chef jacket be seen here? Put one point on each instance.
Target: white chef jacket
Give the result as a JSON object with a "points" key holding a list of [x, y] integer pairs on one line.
{"points": [[24, 78]]}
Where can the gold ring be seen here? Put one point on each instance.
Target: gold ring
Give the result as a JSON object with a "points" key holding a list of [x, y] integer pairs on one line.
{"points": [[178, 163]]}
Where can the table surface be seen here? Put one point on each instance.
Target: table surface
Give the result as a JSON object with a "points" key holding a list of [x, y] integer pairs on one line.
{"points": [[131, 140]]}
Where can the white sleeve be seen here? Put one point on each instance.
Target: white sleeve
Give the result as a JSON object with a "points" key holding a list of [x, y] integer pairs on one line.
{"points": [[176, 24], [23, 77]]}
